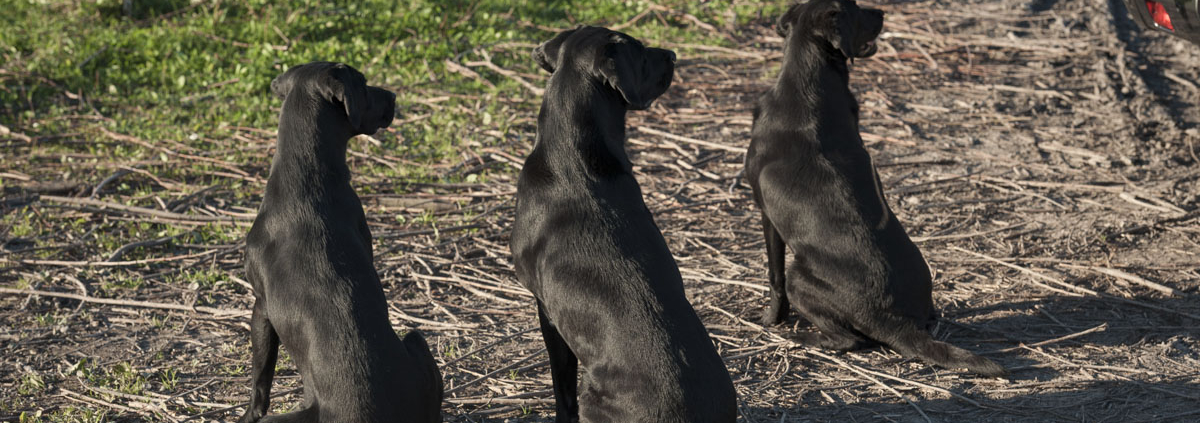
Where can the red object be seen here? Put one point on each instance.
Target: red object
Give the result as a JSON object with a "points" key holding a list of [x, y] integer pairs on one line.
{"points": [[1160, 14]]}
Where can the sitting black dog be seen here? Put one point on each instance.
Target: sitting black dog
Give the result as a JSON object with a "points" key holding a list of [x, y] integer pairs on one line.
{"points": [[609, 294], [309, 259], [856, 274]]}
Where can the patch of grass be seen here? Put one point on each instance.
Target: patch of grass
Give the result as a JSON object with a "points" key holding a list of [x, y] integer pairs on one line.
{"points": [[216, 234], [66, 415], [121, 279], [49, 319], [125, 378], [122, 377], [169, 378], [283, 362], [20, 224], [186, 71], [233, 370], [200, 278], [451, 350], [30, 384], [158, 322]]}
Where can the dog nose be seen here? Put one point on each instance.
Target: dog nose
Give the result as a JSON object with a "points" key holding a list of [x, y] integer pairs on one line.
{"points": [[671, 55]]}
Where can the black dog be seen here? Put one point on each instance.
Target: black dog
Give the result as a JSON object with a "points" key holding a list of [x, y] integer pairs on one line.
{"points": [[309, 259], [856, 274], [609, 294]]}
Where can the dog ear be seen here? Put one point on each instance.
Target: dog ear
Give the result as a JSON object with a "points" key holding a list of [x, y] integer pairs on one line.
{"points": [[349, 86], [844, 30], [539, 56], [547, 54], [623, 68], [784, 25], [281, 85]]}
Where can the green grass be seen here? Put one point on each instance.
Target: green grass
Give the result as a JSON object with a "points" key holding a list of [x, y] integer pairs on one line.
{"points": [[31, 384], [66, 415], [186, 71]]}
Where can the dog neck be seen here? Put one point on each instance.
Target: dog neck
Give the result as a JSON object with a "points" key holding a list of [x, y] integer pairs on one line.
{"points": [[584, 120], [815, 81], [813, 62], [312, 142]]}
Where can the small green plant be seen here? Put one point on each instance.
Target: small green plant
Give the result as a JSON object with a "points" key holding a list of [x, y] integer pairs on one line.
{"points": [[48, 319], [75, 415], [234, 370], [31, 383], [198, 279], [284, 362], [126, 379], [426, 218], [158, 322], [120, 377], [169, 377], [28, 417], [22, 225], [79, 369], [123, 280]]}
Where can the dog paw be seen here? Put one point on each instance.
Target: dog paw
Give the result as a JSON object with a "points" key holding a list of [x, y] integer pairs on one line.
{"points": [[250, 417], [773, 316], [811, 339]]}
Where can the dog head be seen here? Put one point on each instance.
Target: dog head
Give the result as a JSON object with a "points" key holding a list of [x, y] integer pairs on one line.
{"points": [[638, 73], [367, 108], [847, 28]]}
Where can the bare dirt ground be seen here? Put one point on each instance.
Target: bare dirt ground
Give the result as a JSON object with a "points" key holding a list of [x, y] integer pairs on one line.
{"points": [[1043, 154]]}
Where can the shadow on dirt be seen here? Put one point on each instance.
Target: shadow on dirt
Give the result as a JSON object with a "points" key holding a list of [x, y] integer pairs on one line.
{"points": [[1038, 6], [1098, 400], [1138, 42], [1126, 324], [998, 331]]}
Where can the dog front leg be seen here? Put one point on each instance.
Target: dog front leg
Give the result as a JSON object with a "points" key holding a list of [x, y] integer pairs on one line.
{"points": [[563, 371], [776, 274], [264, 346]]}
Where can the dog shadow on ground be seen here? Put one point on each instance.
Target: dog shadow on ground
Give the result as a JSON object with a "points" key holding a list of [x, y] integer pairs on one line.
{"points": [[1099, 400], [1073, 359], [1098, 321]]}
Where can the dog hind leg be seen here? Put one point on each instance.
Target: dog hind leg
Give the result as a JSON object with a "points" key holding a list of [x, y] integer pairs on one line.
{"points": [[776, 273], [563, 371], [264, 346], [834, 332], [831, 334]]}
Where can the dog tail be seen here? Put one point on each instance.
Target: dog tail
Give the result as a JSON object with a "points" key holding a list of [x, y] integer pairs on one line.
{"points": [[910, 341]]}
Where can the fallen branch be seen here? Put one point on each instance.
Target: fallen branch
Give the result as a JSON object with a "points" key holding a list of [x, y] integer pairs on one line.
{"points": [[693, 141], [106, 205]]}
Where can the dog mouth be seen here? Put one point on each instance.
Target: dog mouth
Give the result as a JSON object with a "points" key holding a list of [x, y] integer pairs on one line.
{"points": [[868, 49]]}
